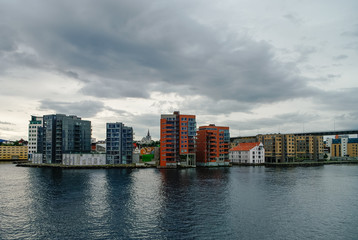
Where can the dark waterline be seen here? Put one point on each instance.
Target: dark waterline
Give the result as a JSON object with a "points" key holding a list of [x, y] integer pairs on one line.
{"points": [[216, 203]]}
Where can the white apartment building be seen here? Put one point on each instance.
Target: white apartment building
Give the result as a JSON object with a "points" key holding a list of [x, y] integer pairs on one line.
{"points": [[34, 131]]}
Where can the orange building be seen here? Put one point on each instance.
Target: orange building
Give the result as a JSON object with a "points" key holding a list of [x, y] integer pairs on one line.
{"points": [[212, 146], [177, 139]]}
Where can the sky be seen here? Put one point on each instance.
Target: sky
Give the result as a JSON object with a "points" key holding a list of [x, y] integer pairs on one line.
{"points": [[255, 66]]}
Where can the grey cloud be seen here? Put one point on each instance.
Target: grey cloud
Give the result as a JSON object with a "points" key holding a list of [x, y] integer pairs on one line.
{"points": [[82, 109], [6, 123], [340, 57], [351, 33], [144, 122], [283, 123], [119, 111], [6, 129], [206, 105], [345, 121], [129, 49], [338, 101], [305, 52], [331, 76], [7, 43], [293, 18]]}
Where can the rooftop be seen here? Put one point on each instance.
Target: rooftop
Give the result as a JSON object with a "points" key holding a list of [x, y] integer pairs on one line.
{"points": [[245, 146]]}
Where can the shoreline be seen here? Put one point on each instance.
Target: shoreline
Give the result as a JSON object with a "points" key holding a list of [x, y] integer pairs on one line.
{"points": [[297, 164], [44, 165], [133, 165]]}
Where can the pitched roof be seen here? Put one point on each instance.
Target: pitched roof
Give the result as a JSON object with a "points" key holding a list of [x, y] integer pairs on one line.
{"points": [[245, 146]]}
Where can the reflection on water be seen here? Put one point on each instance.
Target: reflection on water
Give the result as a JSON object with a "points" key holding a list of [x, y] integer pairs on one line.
{"points": [[214, 203]]}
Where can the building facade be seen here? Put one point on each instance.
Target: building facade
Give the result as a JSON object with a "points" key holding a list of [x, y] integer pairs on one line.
{"points": [[344, 147], [64, 134], [79, 159], [177, 139], [13, 153], [250, 153], [35, 135], [212, 146], [291, 148], [119, 143]]}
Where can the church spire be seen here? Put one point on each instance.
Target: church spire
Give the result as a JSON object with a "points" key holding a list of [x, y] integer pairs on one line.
{"points": [[148, 135]]}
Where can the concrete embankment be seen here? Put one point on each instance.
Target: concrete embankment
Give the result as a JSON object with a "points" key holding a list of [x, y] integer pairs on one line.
{"points": [[295, 164], [84, 166], [308, 164]]}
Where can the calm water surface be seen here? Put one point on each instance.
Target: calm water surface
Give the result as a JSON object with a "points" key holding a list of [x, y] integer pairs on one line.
{"points": [[216, 203]]}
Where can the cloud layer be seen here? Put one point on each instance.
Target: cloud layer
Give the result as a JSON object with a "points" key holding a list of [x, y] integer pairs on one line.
{"points": [[198, 57]]}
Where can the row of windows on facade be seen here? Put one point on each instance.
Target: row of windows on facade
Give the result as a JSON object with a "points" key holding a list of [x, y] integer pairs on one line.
{"points": [[190, 128], [183, 119], [245, 152], [247, 156], [188, 123]]}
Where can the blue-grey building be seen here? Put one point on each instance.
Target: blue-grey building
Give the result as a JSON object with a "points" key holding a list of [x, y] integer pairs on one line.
{"points": [[64, 134], [119, 143]]}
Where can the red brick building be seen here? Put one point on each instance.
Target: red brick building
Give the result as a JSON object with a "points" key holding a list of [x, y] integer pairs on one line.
{"points": [[212, 146], [177, 139]]}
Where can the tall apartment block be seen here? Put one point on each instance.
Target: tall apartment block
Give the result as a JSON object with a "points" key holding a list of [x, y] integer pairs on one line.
{"points": [[177, 139], [119, 143], [212, 146], [291, 147], [35, 135], [64, 134]]}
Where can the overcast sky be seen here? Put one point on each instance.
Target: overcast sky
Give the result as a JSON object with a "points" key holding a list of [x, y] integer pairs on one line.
{"points": [[255, 66]]}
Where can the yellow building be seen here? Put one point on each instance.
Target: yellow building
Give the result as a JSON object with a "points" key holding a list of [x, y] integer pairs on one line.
{"points": [[353, 149], [291, 148], [341, 148], [336, 150], [13, 152]]}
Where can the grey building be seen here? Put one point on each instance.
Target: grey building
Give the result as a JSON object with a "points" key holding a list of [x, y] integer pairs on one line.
{"points": [[119, 143], [64, 134]]}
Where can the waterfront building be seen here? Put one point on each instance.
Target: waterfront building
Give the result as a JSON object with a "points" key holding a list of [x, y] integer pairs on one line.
{"points": [[119, 143], [212, 146], [35, 135], [344, 147], [252, 153], [177, 139], [64, 134], [13, 152], [291, 147]]}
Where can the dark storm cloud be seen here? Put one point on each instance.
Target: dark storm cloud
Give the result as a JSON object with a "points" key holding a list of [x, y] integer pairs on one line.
{"points": [[130, 48], [83, 109]]}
